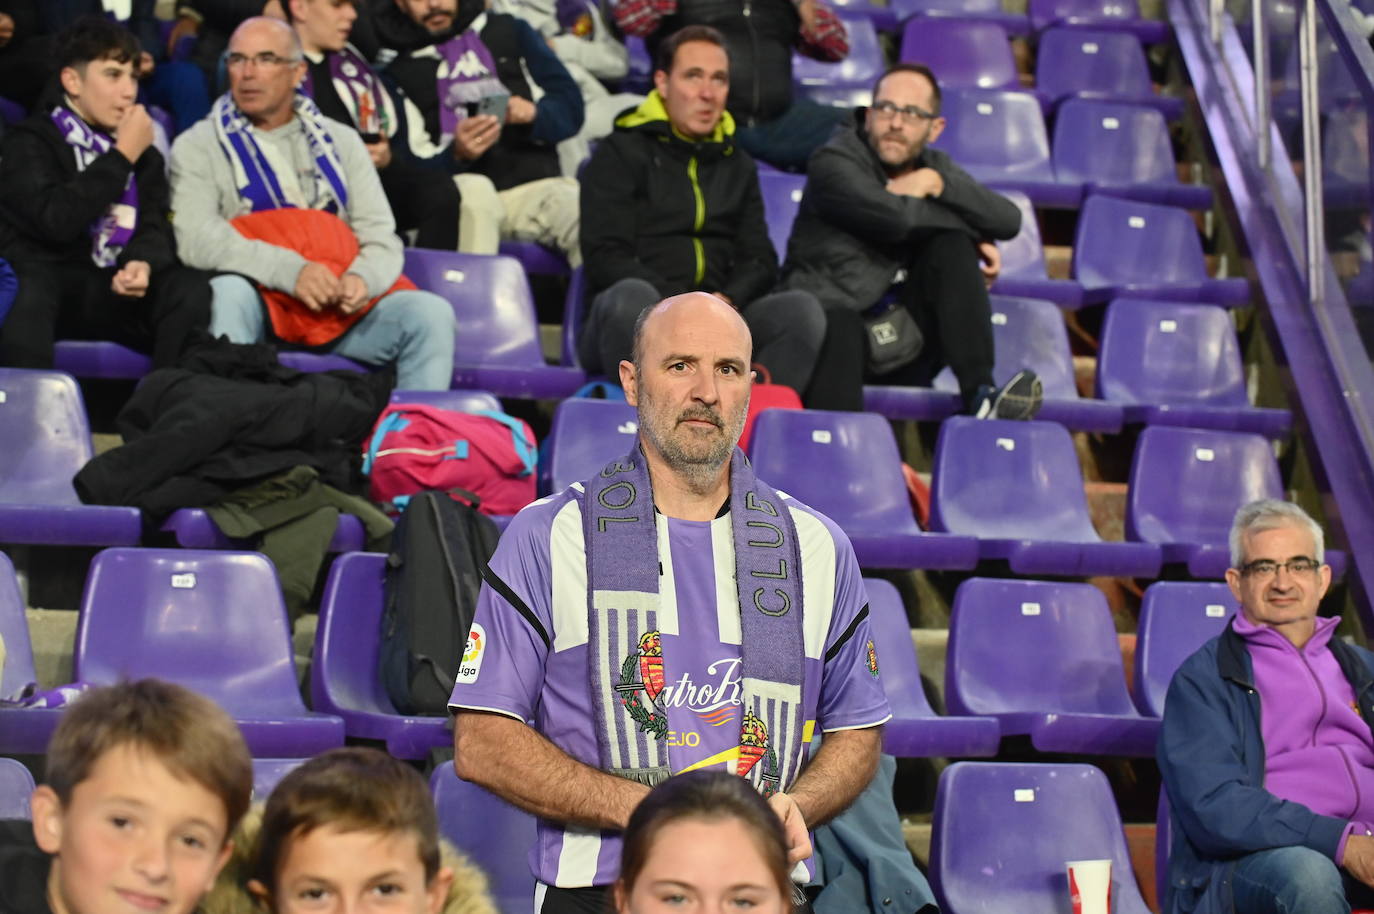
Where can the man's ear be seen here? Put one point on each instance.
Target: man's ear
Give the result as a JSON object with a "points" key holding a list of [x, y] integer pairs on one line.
{"points": [[937, 127], [47, 818], [661, 82], [1233, 580], [629, 381], [437, 890]]}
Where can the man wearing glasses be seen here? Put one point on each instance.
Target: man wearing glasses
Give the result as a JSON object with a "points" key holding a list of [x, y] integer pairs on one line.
{"points": [[1266, 749], [885, 217]]}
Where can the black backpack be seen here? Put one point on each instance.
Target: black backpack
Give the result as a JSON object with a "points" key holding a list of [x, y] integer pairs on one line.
{"points": [[433, 575]]}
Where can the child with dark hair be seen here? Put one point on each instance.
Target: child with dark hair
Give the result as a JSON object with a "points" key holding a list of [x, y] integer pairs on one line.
{"points": [[145, 782], [83, 214]]}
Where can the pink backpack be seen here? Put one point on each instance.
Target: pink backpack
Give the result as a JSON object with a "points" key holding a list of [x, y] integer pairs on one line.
{"points": [[416, 448]]}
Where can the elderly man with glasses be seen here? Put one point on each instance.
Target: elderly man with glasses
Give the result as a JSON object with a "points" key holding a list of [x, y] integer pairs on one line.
{"points": [[286, 205], [1266, 751], [893, 234]]}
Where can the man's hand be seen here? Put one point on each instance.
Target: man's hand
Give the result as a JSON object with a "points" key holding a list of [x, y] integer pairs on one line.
{"points": [[317, 287], [989, 260], [380, 152], [923, 182], [1359, 858], [274, 9], [519, 110], [475, 135], [794, 828], [6, 29], [807, 10], [184, 27], [132, 280], [352, 293], [134, 132]]}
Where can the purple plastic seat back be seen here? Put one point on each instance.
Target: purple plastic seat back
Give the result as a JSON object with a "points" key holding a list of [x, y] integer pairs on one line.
{"points": [[860, 67], [343, 676], [1112, 144], [267, 772], [214, 622], [1033, 646], [1220, 471], [463, 401], [844, 465], [782, 195], [1113, 14], [1091, 62], [996, 135], [997, 479], [1024, 255], [897, 655], [585, 436], [1170, 353], [1122, 242], [16, 787], [964, 53], [17, 671], [1003, 832], [1176, 618], [492, 833], [1014, 23], [47, 437], [492, 300], [1027, 333]]}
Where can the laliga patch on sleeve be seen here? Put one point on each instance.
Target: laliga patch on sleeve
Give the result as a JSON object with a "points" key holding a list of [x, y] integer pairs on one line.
{"points": [[473, 653]]}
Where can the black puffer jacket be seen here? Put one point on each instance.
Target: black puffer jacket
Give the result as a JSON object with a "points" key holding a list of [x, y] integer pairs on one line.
{"points": [[681, 215], [852, 235]]}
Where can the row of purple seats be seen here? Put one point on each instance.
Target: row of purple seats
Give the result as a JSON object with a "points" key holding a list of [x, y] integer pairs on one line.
{"points": [[16, 787], [1114, 15]]}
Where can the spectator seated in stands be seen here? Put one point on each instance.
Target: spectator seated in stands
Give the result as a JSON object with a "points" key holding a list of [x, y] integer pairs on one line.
{"points": [[883, 212], [760, 35], [83, 214], [495, 95], [145, 781], [277, 196], [26, 52], [1266, 750], [346, 88], [670, 205]]}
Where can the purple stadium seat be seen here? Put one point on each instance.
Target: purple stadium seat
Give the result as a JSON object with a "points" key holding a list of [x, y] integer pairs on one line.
{"points": [[100, 359], [1172, 363], [1176, 618], [1102, 15], [1121, 150], [267, 772], [846, 465], [999, 137], [883, 17], [1018, 488], [1044, 660], [640, 77], [841, 97], [211, 621], [1023, 261], [858, 70], [23, 731], [981, 10], [964, 53], [535, 258], [1003, 832], [1110, 66], [1128, 248], [192, 528], [16, 786], [463, 401], [782, 195], [492, 833], [1219, 471], [11, 112], [344, 678], [498, 340], [1030, 333], [585, 435], [48, 439], [915, 730], [574, 315]]}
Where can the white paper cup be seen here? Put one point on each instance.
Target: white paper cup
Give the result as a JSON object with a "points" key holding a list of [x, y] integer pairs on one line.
{"points": [[1090, 886]]}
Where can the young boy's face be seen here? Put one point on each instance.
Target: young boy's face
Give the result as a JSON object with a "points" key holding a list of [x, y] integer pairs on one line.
{"points": [[102, 91], [328, 870], [133, 838]]}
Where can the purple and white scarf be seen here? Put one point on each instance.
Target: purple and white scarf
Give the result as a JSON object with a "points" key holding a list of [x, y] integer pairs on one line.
{"points": [[113, 230], [467, 73], [620, 533], [362, 93], [258, 177]]}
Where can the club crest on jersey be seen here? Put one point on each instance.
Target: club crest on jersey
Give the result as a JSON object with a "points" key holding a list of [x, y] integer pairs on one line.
{"points": [[641, 677], [753, 747], [871, 658]]}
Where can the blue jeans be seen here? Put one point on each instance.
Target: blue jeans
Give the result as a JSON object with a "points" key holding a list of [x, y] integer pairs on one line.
{"points": [[1286, 880], [413, 330], [788, 140]]}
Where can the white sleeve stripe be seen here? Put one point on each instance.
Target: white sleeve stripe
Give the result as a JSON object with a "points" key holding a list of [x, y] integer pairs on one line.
{"points": [[452, 707]]}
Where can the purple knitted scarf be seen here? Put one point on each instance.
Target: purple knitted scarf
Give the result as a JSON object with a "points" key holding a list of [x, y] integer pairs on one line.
{"points": [[360, 90], [113, 230], [625, 651]]}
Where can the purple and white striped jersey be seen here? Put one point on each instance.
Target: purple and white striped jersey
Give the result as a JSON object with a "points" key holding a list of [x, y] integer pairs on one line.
{"points": [[527, 654]]}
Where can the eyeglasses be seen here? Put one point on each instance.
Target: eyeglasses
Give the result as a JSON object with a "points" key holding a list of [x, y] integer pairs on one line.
{"points": [[887, 110], [265, 59], [1264, 568]]}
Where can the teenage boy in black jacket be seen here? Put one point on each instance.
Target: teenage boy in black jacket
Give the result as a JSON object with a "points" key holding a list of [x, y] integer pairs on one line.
{"points": [[83, 214], [670, 204]]}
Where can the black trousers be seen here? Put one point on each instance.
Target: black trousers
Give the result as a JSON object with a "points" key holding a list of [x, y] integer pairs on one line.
{"points": [[423, 199], [946, 296], [66, 300]]}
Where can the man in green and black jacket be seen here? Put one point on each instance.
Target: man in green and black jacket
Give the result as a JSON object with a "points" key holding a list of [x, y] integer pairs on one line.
{"points": [[670, 204]]}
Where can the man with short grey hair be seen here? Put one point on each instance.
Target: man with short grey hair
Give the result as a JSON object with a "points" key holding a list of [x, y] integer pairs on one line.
{"points": [[1267, 746]]}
